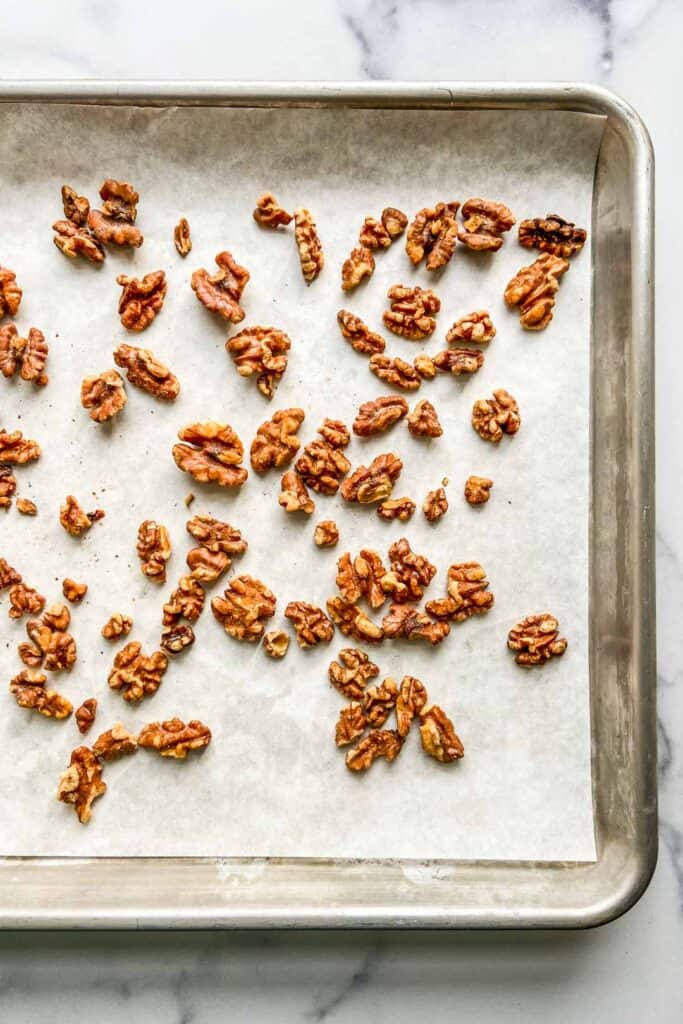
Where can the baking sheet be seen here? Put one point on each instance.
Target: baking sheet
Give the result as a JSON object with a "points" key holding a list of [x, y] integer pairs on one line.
{"points": [[272, 782]]}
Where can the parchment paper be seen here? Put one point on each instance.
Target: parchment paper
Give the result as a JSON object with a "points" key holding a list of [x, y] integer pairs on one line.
{"points": [[272, 782]]}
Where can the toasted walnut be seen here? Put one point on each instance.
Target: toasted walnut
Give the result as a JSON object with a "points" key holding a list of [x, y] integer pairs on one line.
{"points": [[476, 326], [74, 520], [24, 600], [154, 550], [173, 738], [141, 299], [353, 675], [16, 449], [269, 213], [372, 483], [353, 622], [433, 234], [394, 221], [8, 575], [478, 489], [8, 486], [396, 508], [51, 646], [10, 293], [76, 208], [30, 692], [207, 566], [322, 467], [28, 355], [176, 638], [294, 496], [350, 725], [27, 507], [110, 231], [533, 289], [493, 417], [73, 591], [407, 621], [380, 414], [396, 371], [221, 292], [215, 535], [459, 360], [120, 200], [552, 234], [326, 534], [85, 715], [411, 312], [379, 702], [484, 223], [335, 433], [74, 240], [378, 743], [424, 366], [360, 336], [104, 395], [114, 742], [359, 265], [136, 675], [245, 605], [276, 643], [438, 736], [361, 577], [468, 593], [116, 626], [414, 570], [212, 454], [311, 255], [423, 421], [536, 639], [186, 602], [373, 234], [310, 622], [145, 371], [81, 783], [276, 443], [182, 238], [435, 505], [260, 350], [411, 700]]}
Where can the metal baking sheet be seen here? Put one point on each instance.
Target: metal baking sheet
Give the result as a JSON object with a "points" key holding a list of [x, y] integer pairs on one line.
{"points": [[243, 889]]}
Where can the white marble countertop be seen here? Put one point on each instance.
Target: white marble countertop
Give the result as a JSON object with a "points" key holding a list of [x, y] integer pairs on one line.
{"points": [[629, 970]]}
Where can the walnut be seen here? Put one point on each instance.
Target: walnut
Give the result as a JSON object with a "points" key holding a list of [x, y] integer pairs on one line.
{"points": [[212, 454], [359, 265], [435, 505], [468, 593], [407, 621], [85, 715], [176, 638], [276, 443], [361, 577], [411, 312], [8, 486], [378, 743], [380, 414], [476, 326], [81, 783], [352, 677], [326, 534], [484, 223], [438, 736], [245, 605], [260, 350], [350, 725], [76, 208], [310, 622], [293, 494], [110, 231], [104, 395], [459, 360], [154, 550], [186, 602], [373, 235], [322, 466], [353, 622], [360, 336], [28, 355], [136, 675], [141, 299], [311, 255], [423, 421], [396, 371], [478, 489], [221, 292], [27, 507], [74, 520], [74, 241], [114, 742], [145, 371], [533, 289], [424, 366], [8, 575], [218, 540], [173, 738], [379, 702], [374, 482], [182, 238], [335, 433], [269, 213], [120, 200], [536, 639], [493, 417], [51, 646], [30, 692], [411, 699], [415, 571], [433, 234], [276, 643], [116, 626], [207, 566], [553, 234], [16, 449], [24, 600], [10, 293], [396, 508], [73, 591], [394, 221]]}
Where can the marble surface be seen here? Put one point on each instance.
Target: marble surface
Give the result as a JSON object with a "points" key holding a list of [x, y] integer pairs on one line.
{"points": [[627, 971]]}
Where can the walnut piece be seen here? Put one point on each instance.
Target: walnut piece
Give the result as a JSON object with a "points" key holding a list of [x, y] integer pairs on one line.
{"points": [[141, 299], [408, 622], [311, 624], [396, 371], [269, 213], [114, 742], [136, 675], [423, 421], [221, 292], [411, 699], [380, 414], [438, 736], [73, 591], [16, 449], [379, 702], [478, 489], [173, 738], [10, 293], [109, 230], [74, 520], [30, 692], [351, 677], [396, 508], [51, 647], [394, 221], [120, 200], [24, 600], [361, 577], [424, 366], [276, 443], [186, 602], [27, 355], [217, 542], [276, 643], [484, 223], [212, 454], [8, 486], [373, 235], [104, 395], [116, 626], [536, 639], [552, 234], [145, 371], [85, 715], [311, 255], [350, 725], [533, 289], [433, 234], [207, 566], [353, 622], [493, 417], [459, 360], [378, 743], [375, 482], [8, 575], [322, 467], [244, 607], [411, 313], [27, 507], [263, 351], [361, 338], [415, 571], [182, 238], [476, 326], [74, 240], [435, 505], [335, 433], [326, 534], [154, 550], [81, 783], [359, 264], [76, 208], [468, 593], [294, 496], [176, 638]]}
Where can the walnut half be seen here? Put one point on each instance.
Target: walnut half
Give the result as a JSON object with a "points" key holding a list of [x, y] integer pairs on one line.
{"points": [[536, 639], [311, 255], [81, 783], [245, 606], [495, 416], [141, 299], [145, 371], [438, 736], [310, 622], [211, 453], [104, 395], [533, 290], [74, 520], [221, 292], [154, 550], [173, 738], [27, 355]]}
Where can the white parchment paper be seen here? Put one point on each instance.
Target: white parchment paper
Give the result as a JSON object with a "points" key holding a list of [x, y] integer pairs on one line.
{"points": [[272, 782]]}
